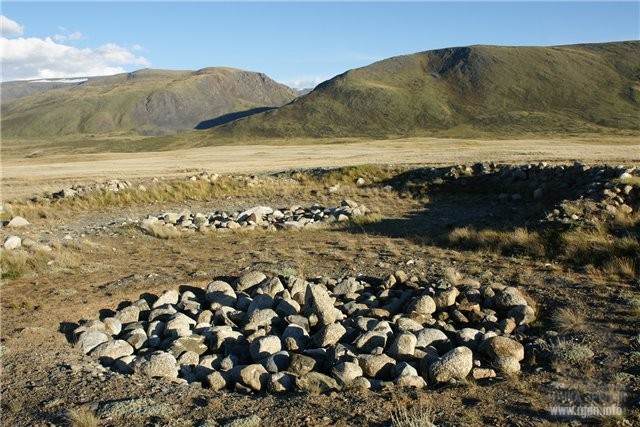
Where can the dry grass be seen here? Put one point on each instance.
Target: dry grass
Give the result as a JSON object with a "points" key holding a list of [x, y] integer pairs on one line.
{"points": [[519, 241], [569, 320], [413, 417], [621, 267], [18, 262], [81, 417]]}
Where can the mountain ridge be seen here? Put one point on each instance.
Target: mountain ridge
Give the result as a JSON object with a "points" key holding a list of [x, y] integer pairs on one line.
{"points": [[479, 88], [144, 102]]}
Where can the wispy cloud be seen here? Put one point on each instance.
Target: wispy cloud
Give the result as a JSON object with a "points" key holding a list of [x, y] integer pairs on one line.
{"points": [[25, 58], [305, 82], [9, 27]]}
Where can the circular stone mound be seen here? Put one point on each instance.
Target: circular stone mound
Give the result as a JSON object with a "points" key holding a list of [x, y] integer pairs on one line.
{"points": [[261, 333]]}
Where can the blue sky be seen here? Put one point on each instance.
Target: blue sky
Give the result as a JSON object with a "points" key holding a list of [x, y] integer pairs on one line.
{"points": [[298, 43]]}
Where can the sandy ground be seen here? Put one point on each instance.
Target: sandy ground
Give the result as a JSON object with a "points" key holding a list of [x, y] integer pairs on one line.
{"points": [[24, 176]]}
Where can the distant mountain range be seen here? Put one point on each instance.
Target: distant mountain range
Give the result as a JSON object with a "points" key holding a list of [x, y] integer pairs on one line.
{"points": [[145, 102], [463, 91]]}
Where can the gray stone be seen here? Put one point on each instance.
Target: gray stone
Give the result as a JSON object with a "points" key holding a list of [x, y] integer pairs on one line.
{"points": [[423, 305], [254, 376], [124, 365], [193, 343], [403, 369], [261, 319], [17, 221], [264, 347], [317, 301], [414, 381], [260, 302], [91, 339], [280, 382], [112, 325], [469, 337], [454, 365], [346, 372], [128, 314], [249, 280], [507, 365], [403, 346], [12, 242], [482, 373], [315, 382], [295, 338], [378, 366], [189, 358], [406, 324], [108, 352], [287, 307], [163, 312], [433, 337], [508, 298], [179, 326], [136, 338], [221, 293], [158, 364], [169, 297], [215, 380], [329, 335], [446, 298], [495, 347], [522, 314], [277, 362], [368, 341], [301, 364]]}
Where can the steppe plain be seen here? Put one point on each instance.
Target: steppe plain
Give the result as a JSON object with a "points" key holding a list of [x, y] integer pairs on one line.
{"points": [[99, 257]]}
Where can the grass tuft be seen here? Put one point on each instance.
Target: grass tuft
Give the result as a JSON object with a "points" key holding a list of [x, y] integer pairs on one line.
{"points": [[81, 417], [414, 417], [569, 320]]}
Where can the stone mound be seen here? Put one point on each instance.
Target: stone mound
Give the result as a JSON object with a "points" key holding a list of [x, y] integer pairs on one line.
{"points": [[263, 217], [280, 334]]}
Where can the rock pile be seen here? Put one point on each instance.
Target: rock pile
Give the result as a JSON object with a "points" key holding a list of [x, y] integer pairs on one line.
{"points": [[575, 194], [78, 189], [263, 217], [259, 333]]}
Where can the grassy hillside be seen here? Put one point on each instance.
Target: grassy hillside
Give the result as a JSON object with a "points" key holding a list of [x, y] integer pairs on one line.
{"points": [[145, 102], [466, 91]]}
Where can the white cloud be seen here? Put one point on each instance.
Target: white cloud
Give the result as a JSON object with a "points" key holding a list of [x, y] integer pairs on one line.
{"points": [[9, 27], [76, 35], [305, 82], [35, 58]]}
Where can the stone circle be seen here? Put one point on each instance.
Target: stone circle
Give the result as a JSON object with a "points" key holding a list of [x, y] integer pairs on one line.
{"points": [[284, 333]]}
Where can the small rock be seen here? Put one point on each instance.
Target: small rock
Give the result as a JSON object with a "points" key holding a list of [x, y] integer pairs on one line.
{"points": [[456, 364], [280, 382], [108, 352], [158, 364], [264, 347], [17, 221], [317, 301], [169, 297], [329, 335], [509, 297], [495, 347], [346, 372], [91, 339], [423, 305], [216, 381], [12, 242], [249, 280], [254, 376], [315, 382]]}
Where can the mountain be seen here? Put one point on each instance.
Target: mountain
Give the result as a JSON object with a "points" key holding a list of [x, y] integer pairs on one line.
{"points": [[145, 102], [475, 90]]}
